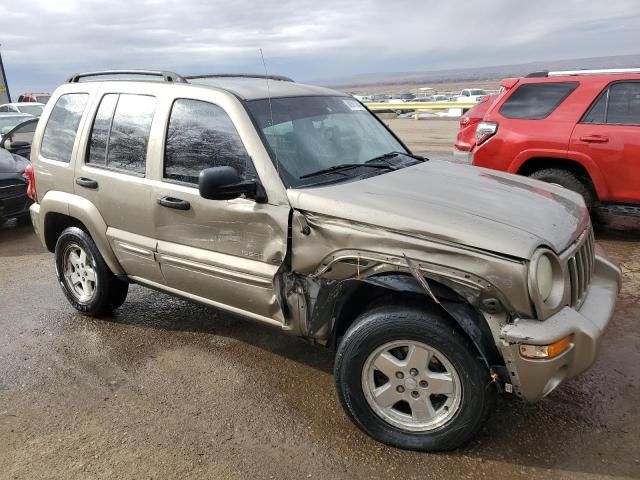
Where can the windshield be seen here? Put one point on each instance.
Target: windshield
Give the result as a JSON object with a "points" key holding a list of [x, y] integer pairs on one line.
{"points": [[310, 134], [8, 123], [42, 98], [31, 109], [478, 91]]}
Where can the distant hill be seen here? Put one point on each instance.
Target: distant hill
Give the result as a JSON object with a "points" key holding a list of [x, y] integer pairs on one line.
{"points": [[478, 74]]}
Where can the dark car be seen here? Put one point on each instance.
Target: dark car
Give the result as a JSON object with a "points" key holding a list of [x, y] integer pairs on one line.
{"points": [[18, 138], [13, 188]]}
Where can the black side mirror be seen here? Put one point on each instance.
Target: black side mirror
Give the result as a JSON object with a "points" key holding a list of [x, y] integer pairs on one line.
{"points": [[224, 183], [19, 145]]}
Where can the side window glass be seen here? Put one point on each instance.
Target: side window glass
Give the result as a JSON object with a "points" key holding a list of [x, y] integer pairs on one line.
{"points": [[535, 101], [201, 135], [24, 132], [100, 132], [120, 133], [624, 104], [62, 127], [597, 112]]}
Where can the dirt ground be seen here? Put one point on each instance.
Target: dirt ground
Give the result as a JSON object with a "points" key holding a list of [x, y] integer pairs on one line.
{"points": [[167, 389]]}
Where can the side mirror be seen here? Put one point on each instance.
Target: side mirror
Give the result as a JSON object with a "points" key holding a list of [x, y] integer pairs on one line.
{"points": [[224, 183], [18, 145]]}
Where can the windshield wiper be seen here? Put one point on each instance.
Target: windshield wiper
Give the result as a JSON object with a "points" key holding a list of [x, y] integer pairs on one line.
{"points": [[390, 155], [345, 166]]}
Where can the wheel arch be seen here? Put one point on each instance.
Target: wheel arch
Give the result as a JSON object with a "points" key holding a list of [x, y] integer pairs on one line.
{"points": [[584, 168], [59, 210], [355, 297]]}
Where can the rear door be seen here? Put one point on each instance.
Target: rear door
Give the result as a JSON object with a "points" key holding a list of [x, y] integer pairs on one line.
{"points": [[112, 174], [609, 133], [227, 252]]}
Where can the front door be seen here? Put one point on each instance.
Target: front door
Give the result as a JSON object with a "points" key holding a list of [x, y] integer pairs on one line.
{"points": [[227, 252], [609, 133]]}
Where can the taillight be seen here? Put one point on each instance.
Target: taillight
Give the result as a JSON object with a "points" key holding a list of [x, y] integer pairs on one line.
{"points": [[485, 131], [30, 175]]}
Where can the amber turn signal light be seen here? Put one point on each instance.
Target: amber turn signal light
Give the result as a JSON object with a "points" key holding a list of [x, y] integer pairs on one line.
{"points": [[541, 352]]}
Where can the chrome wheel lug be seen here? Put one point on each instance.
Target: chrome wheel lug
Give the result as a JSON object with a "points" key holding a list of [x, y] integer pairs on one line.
{"points": [[424, 384], [400, 389], [399, 375], [415, 394], [413, 372]]}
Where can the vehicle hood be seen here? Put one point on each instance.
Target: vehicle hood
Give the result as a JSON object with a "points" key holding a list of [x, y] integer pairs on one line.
{"points": [[10, 163], [462, 204]]}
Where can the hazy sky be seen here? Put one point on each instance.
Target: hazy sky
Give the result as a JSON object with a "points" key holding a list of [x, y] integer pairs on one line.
{"points": [[44, 41]]}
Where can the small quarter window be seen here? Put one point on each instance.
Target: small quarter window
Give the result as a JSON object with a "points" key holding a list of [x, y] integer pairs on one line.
{"points": [[619, 104], [535, 101], [62, 127], [201, 135]]}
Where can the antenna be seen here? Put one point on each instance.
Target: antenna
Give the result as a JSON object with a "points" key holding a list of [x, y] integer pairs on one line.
{"points": [[266, 73]]}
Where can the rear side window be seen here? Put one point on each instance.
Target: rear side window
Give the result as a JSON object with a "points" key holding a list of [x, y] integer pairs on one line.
{"points": [[535, 101], [120, 132], [619, 104], [201, 135], [62, 127]]}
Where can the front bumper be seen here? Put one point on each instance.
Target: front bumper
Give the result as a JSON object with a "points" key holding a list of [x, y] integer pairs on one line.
{"points": [[534, 379]]}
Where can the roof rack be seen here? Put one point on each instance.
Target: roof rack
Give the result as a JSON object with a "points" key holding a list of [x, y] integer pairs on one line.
{"points": [[166, 76], [280, 78], [561, 73]]}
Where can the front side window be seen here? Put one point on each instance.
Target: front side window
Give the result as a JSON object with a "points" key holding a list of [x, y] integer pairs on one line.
{"points": [[62, 127], [201, 135], [619, 104], [535, 101], [120, 132], [311, 134]]}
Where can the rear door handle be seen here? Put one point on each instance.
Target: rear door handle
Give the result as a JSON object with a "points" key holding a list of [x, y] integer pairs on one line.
{"points": [[177, 203], [594, 138], [87, 182]]}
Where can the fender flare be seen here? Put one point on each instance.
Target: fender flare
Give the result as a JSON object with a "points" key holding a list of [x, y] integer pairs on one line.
{"points": [[85, 212]]}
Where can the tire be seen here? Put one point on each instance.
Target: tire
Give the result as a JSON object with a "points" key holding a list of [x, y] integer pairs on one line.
{"points": [[566, 179], [471, 400], [86, 280]]}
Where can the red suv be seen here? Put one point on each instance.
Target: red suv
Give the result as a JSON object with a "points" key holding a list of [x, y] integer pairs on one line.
{"points": [[577, 129]]}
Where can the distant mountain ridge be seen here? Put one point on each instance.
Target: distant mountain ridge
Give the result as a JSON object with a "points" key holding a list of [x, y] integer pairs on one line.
{"points": [[480, 73]]}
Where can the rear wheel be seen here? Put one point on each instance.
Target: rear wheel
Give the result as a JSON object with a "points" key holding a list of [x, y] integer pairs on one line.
{"points": [[566, 179], [409, 379], [85, 278]]}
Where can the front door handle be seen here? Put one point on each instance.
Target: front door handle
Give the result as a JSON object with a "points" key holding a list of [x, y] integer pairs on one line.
{"points": [[594, 138], [177, 203], [87, 182]]}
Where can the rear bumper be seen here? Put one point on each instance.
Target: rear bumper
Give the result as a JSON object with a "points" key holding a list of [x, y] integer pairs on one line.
{"points": [[534, 379], [34, 211], [460, 156]]}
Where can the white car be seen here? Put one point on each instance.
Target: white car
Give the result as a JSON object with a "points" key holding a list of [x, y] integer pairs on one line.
{"points": [[32, 108], [471, 94]]}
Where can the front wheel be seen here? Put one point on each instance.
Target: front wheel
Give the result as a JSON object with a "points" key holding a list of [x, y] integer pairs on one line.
{"points": [[409, 379]]}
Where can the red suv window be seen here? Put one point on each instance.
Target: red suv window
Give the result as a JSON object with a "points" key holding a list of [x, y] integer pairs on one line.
{"points": [[535, 101], [619, 104]]}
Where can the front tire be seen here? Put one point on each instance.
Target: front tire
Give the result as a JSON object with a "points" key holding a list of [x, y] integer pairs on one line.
{"points": [[409, 379], [84, 276]]}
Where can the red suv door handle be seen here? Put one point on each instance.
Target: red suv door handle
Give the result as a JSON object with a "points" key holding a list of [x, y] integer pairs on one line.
{"points": [[594, 138]]}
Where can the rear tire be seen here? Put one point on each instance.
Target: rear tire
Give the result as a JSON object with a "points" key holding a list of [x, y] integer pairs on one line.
{"points": [[568, 180], [84, 276], [432, 406]]}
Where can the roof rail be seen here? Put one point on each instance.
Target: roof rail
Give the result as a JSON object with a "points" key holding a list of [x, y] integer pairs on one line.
{"points": [[280, 78], [166, 76], [594, 72]]}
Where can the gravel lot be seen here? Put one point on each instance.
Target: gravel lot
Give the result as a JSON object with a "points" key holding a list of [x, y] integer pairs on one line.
{"points": [[168, 389]]}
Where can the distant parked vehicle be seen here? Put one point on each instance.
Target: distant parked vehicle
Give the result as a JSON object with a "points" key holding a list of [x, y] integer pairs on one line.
{"points": [[466, 139], [31, 108], [578, 129], [471, 94], [18, 139], [379, 98], [34, 97]]}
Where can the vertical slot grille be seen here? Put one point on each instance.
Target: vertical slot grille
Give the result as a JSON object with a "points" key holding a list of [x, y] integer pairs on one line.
{"points": [[581, 268]]}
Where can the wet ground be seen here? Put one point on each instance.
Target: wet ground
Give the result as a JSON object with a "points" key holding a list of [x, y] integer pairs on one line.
{"points": [[168, 389]]}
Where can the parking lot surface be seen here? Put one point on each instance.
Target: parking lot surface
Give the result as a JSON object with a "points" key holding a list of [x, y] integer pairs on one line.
{"points": [[165, 388]]}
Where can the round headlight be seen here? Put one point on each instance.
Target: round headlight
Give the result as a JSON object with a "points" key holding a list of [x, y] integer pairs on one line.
{"points": [[544, 277]]}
